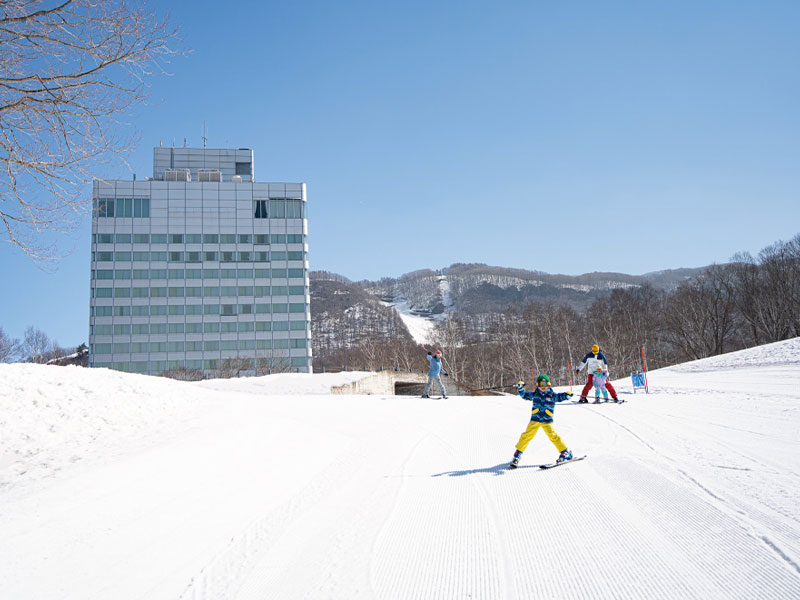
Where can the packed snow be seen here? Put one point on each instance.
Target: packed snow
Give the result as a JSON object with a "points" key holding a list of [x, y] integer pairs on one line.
{"points": [[124, 486]]}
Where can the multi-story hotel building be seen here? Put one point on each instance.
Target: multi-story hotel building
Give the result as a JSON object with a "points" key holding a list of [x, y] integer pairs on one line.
{"points": [[200, 268]]}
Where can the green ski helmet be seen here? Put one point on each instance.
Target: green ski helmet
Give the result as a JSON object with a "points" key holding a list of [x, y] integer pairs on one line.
{"points": [[542, 377]]}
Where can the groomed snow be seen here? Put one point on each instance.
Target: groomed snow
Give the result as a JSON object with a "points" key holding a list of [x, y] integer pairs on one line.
{"points": [[122, 486]]}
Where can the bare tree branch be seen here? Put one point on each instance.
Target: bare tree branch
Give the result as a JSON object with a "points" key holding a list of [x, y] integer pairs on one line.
{"points": [[67, 75]]}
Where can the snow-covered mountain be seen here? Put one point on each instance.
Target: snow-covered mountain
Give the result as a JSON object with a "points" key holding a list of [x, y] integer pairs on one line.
{"points": [[123, 486], [422, 298]]}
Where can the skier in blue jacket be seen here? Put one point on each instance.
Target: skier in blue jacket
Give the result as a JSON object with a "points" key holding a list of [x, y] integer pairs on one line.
{"points": [[435, 370], [544, 404]]}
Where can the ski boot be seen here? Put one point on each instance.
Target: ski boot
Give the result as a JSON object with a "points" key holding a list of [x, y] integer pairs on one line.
{"points": [[515, 460], [596, 400], [583, 400], [565, 455], [444, 397], [425, 396]]}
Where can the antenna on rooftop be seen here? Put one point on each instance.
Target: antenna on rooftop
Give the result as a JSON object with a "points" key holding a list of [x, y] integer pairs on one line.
{"points": [[204, 134]]}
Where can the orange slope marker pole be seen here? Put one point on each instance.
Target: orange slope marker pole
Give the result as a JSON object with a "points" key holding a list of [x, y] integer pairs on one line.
{"points": [[644, 367]]}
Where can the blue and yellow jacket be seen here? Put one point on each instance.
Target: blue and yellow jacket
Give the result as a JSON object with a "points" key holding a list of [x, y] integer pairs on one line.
{"points": [[544, 403]]}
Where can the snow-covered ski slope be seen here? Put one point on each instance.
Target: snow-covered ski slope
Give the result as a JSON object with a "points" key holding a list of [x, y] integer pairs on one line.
{"points": [[119, 486]]}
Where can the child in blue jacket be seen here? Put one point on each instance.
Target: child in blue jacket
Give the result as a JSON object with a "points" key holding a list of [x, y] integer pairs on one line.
{"points": [[434, 371], [544, 404]]}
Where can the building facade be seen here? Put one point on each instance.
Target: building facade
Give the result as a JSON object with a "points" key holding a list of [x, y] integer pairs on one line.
{"points": [[200, 268]]}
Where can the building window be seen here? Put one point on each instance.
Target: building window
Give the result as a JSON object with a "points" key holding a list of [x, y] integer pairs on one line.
{"points": [[123, 238], [210, 238], [277, 209], [105, 207], [243, 168], [261, 212], [228, 310], [262, 238], [227, 238], [141, 238], [105, 238], [141, 207], [124, 207], [294, 209], [175, 238], [158, 238], [193, 238]]}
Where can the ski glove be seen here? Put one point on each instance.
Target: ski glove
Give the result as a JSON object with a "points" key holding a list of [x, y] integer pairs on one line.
{"points": [[569, 394], [446, 374], [520, 385]]}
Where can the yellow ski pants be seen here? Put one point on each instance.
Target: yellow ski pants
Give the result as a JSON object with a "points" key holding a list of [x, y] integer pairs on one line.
{"points": [[533, 427]]}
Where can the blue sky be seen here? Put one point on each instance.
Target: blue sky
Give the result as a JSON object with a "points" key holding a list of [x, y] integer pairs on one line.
{"points": [[566, 137]]}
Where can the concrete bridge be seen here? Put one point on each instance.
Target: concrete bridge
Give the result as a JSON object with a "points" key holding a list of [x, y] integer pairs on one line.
{"points": [[398, 383]]}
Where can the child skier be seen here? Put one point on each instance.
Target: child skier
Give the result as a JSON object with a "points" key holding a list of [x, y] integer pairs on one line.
{"points": [[591, 361], [433, 373], [599, 381], [544, 400]]}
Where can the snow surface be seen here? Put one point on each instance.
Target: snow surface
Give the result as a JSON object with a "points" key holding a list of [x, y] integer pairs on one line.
{"points": [[124, 486]]}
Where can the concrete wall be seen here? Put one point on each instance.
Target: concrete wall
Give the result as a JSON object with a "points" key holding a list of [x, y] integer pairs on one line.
{"points": [[385, 384]]}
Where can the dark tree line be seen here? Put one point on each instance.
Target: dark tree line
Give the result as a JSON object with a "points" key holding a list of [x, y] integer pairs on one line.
{"points": [[747, 302]]}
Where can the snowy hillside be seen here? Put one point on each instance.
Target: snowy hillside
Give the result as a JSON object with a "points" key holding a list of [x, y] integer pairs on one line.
{"points": [[123, 486]]}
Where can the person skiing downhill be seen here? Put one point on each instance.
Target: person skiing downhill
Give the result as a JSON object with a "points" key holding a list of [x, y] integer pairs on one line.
{"points": [[434, 371], [544, 401], [600, 381], [592, 360]]}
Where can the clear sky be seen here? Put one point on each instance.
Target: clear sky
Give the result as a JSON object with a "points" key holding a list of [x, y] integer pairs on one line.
{"points": [[566, 137]]}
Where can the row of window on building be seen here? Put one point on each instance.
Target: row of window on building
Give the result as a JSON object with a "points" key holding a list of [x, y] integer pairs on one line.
{"points": [[147, 274], [224, 310], [196, 257], [257, 291], [199, 346], [159, 366], [190, 328], [140, 208], [199, 238], [227, 291]]}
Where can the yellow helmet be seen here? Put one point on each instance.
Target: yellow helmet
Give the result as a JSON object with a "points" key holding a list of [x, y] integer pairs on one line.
{"points": [[595, 349]]}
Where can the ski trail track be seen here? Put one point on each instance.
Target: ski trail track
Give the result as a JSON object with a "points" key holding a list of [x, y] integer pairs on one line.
{"points": [[437, 515], [773, 518]]}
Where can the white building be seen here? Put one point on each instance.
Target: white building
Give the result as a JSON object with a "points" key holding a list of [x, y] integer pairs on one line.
{"points": [[200, 268]]}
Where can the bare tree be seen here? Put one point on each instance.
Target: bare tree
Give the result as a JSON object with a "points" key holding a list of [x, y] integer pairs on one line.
{"points": [[9, 347], [36, 346], [69, 72]]}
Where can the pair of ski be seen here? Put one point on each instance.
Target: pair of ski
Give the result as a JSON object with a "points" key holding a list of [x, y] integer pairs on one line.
{"points": [[558, 463]]}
